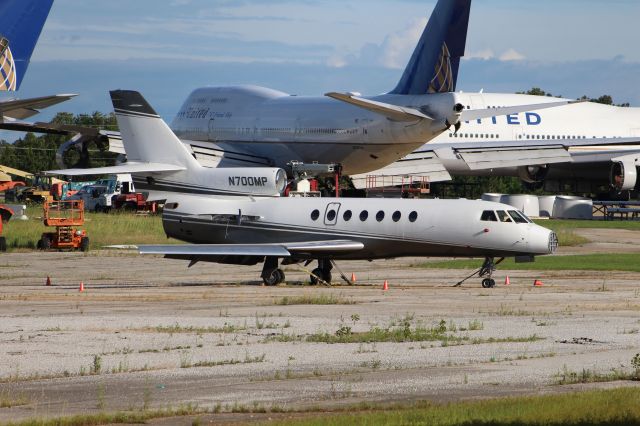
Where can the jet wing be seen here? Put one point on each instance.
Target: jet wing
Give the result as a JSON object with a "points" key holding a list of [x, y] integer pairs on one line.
{"points": [[427, 162], [25, 108], [276, 250]]}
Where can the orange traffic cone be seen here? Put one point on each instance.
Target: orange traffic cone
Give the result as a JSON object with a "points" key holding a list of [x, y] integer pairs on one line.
{"points": [[385, 286], [48, 282], [81, 289], [353, 277], [506, 281], [538, 283]]}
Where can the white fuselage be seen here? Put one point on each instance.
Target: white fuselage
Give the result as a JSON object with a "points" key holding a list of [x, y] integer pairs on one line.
{"points": [[277, 128], [387, 228], [585, 120]]}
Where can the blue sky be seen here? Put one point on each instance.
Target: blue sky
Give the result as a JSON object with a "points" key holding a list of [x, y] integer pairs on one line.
{"points": [[166, 48]]}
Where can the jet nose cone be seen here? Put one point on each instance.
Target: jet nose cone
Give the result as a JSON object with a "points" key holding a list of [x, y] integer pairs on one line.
{"points": [[553, 242]]}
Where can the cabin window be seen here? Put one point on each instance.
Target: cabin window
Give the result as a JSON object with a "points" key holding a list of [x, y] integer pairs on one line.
{"points": [[347, 215], [331, 215], [489, 216], [364, 215], [396, 216], [413, 216], [504, 217], [518, 217], [380, 216], [315, 214]]}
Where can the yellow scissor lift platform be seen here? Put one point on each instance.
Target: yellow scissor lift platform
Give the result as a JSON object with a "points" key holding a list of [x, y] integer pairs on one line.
{"points": [[64, 216]]}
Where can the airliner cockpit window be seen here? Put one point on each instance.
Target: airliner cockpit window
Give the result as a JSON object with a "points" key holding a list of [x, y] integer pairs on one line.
{"points": [[504, 217], [489, 216], [518, 217]]}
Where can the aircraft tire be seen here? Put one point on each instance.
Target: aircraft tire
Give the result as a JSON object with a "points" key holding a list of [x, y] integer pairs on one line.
{"points": [[273, 277], [488, 283], [3, 244]]}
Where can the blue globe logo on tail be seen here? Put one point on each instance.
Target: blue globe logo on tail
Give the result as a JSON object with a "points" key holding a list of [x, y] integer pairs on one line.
{"points": [[443, 80], [7, 67]]}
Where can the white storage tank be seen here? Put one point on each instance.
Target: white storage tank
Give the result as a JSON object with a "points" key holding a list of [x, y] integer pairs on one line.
{"points": [[496, 198], [570, 207], [528, 204], [546, 203]]}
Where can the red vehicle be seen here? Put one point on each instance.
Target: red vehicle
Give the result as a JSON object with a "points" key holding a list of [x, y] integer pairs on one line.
{"points": [[134, 201], [5, 215], [64, 216]]}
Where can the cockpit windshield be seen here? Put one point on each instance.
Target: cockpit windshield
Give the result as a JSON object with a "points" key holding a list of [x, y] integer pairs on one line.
{"points": [[504, 217], [519, 217]]}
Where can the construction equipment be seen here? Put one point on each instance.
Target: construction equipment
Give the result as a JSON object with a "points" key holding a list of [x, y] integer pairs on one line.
{"points": [[36, 190], [5, 215], [64, 216]]}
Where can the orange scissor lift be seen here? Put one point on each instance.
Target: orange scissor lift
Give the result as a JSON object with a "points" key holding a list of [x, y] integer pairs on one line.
{"points": [[64, 216]]}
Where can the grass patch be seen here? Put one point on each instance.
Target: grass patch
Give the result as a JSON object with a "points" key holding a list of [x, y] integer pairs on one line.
{"points": [[177, 328], [247, 360], [617, 407], [400, 334], [591, 262], [314, 299], [128, 417], [102, 229], [571, 377], [561, 225]]}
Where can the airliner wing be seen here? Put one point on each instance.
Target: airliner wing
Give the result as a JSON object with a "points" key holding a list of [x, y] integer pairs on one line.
{"points": [[132, 167], [188, 251], [428, 161], [25, 108], [477, 114]]}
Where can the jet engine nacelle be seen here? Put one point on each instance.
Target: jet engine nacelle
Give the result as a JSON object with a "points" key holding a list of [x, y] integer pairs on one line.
{"points": [[624, 173], [533, 174]]}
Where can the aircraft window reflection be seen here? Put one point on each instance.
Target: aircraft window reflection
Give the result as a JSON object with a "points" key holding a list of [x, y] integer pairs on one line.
{"points": [[489, 216], [504, 217], [380, 216], [518, 217], [396, 216], [315, 214], [331, 215], [413, 216], [347, 215], [364, 215]]}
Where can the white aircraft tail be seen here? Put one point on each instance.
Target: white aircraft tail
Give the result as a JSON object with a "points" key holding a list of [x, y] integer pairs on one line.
{"points": [[145, 136]]}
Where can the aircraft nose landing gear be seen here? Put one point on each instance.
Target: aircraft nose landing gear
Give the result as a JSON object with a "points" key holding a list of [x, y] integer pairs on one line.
{"points": [[486, 270]]}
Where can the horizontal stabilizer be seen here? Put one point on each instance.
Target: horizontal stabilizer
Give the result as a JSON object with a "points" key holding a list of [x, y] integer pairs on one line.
{"points": [[393, 112], [477, 114], [24, 108], [276, 250], [131, 168]]}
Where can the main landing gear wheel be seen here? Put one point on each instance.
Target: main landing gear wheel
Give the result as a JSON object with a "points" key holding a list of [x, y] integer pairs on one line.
{"points": [[324, 274], [488, 283], [274, 278]]}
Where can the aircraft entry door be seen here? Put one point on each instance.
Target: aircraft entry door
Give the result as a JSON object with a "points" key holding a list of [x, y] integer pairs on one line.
{"points": [[331, 214]]}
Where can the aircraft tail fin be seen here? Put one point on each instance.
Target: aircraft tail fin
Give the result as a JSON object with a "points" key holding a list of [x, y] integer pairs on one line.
{"points": [[21, 23], [138, 123], [433, 67]]}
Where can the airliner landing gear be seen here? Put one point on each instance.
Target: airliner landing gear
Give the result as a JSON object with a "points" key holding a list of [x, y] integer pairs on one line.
{"points": [[486, 270], [322, 272], [271, 274]]}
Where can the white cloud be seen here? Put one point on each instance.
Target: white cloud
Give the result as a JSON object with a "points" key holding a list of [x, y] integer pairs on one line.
{"points": [[485, 55], [512, 55], [393, 52]]}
